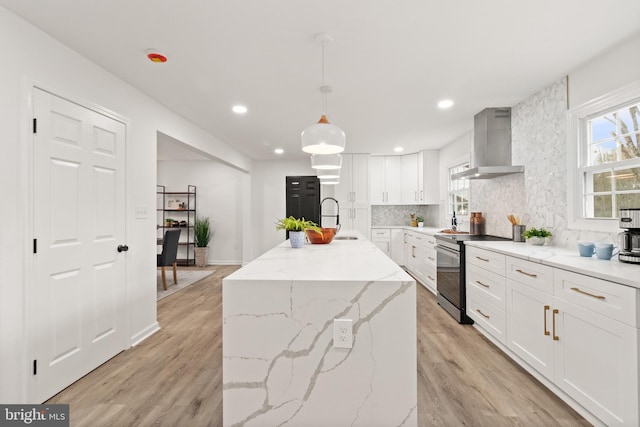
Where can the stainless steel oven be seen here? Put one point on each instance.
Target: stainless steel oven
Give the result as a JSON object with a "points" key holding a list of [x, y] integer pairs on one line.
{"points": [[451, 279]]}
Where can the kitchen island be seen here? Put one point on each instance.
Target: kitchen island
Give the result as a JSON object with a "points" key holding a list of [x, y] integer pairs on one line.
{"points": [[281, 365]]}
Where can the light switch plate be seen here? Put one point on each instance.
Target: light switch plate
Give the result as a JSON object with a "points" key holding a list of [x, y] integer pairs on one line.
{"points": [[141, 212], [342, 333]]}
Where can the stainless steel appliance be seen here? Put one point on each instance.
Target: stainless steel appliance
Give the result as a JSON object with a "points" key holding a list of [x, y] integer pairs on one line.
{"points": [[451, 279], [630, 239]]}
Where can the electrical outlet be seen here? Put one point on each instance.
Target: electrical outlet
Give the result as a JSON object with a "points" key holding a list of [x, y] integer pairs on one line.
{"points": [[342, 333]]}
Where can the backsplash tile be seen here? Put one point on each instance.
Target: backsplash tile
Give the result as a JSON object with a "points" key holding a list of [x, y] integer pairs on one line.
{"points": [[399, 215], [539, 196]]}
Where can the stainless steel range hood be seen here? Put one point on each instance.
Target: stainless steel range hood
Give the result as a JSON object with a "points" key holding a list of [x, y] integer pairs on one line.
{"points": [[491, 155]]}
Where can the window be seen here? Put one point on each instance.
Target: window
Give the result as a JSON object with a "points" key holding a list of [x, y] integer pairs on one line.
{"points": [[604, 153], [610, 162], [459, 191]]}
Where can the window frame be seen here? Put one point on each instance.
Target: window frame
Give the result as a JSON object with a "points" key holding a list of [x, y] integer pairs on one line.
{"points": [[460, 162], [577, 141]]}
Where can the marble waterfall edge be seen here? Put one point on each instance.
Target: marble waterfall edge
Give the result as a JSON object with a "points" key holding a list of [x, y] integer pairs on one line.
{"points": [[279, 363]]}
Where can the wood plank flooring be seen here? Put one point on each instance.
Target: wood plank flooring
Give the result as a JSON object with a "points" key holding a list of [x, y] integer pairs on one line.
{"points": [[174, 378]]}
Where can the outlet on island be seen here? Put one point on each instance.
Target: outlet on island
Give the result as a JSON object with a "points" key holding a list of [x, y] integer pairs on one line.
{"points": [[342, 333]]}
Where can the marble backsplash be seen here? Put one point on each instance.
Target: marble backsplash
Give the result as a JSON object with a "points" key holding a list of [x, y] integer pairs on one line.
{"points": [[539, 196], [399, 215]]}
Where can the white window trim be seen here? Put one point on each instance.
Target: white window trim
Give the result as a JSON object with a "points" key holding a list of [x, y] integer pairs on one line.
{"points": [[576, 129], [452, 164]]}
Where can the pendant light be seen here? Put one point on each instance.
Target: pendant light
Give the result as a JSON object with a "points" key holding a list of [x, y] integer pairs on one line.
{"points": [[323, 137], [328, 174], [326, 161]]}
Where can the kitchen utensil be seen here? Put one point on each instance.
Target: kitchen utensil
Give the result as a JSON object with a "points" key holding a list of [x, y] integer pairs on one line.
{"points": [[516, 232], [586, 249]]}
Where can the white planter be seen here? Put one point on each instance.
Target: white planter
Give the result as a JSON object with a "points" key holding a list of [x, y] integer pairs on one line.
{"points": [[296, 238], [202, 255], [538, 241]]}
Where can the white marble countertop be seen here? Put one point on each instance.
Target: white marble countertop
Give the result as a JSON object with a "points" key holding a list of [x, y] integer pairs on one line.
{"points": [[422, 230], [338, 261], [568, 259]]}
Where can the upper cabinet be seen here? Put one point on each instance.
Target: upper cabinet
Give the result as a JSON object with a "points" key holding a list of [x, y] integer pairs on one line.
{"points": [[354, 180], [385, 175], [412, 179]]}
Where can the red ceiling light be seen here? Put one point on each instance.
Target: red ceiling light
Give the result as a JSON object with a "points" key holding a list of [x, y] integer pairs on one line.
{"points": [[155, 56]]}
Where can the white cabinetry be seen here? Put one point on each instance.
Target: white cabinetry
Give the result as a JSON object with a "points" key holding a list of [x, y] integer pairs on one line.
{"points": [[397, 246], [381, 237], [429, 177], [420, 258], [353, 193], [410, 184], [486, 291], [386, 180]]}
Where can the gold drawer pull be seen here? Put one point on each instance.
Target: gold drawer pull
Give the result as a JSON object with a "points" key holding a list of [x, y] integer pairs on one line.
{"points": [[482, 284], [555, 337], [546, 308], [431, 258], [431, 278], [482, 259], [482, 314], [587, 293], [525, 273]]}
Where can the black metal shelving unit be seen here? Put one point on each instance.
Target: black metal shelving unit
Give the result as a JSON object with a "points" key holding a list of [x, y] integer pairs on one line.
{"points": [[180, 206]]}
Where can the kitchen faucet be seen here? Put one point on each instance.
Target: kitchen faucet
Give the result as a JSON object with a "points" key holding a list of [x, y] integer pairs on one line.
{"points": [[337, 215]]}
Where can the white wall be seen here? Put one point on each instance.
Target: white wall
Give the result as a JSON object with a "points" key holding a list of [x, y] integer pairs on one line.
{"points": [[268, 195], [30, 55], [219, 189]]}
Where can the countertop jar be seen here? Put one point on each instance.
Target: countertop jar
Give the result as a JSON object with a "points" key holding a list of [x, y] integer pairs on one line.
{"points": [[476, 223]]}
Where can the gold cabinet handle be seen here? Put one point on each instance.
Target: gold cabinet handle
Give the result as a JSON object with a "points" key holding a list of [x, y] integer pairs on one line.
{"points": [[555, 337], [587, 293], [431, 278], [482, 259], [482, 314], [546, 308], [525, 273], [413, 251], [431, 258], [482, 284]]}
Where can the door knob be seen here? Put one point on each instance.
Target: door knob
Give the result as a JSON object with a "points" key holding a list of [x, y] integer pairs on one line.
{"points": [[123, 248]]}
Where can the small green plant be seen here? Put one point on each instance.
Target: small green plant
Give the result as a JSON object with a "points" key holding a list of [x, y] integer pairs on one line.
{"points": [[536, 232], [202, 232], [420, 219], [297, 224]]}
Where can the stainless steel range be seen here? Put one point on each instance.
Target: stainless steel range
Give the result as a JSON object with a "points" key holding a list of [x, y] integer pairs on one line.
{"points": [[451, 283]]}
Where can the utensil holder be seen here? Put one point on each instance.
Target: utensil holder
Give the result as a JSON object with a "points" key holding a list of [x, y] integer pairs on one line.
{"points": [[517, 233]]}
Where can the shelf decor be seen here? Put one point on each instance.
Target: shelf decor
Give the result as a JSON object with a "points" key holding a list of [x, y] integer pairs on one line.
{"points": [[178, 209]]}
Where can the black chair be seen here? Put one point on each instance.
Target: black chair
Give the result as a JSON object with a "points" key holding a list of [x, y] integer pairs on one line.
{"points": [[169, 255]]}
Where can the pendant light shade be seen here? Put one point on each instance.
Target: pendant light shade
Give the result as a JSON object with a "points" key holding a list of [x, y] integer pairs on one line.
{"points": [[330, 181], [326, 161], [328, 173], [323, 138]]}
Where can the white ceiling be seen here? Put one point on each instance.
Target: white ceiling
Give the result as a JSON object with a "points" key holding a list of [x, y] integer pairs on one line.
{"points": [[390, 63]]}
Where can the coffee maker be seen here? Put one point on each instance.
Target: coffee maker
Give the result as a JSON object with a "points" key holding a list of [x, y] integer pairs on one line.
{"points": [[630, 239]]}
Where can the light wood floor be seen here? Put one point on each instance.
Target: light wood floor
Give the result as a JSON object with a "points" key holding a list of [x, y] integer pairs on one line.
{"points": [[174, 378]]}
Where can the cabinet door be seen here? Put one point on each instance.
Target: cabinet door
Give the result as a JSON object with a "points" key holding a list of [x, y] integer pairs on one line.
{"points": [[376, 180], [410, 193], [397, 246], [530, 326], [361, 220], [360, 178], [393, 179], [430, 180], [342, 191], [596, 363]]}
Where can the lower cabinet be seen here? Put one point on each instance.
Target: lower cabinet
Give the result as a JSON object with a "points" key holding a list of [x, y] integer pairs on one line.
{"points": [[397, 246], [381, 237], [579, 332], [420, 258]]}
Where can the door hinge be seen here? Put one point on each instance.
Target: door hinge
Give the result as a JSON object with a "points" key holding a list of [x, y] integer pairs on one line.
{"points": [[35, 246], [35, 125], [35, 366]]}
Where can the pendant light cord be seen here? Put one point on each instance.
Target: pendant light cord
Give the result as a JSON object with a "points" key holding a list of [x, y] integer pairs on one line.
{"points": [[324, 94]]}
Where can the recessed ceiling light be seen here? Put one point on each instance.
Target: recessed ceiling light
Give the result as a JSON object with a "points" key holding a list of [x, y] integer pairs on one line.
{"points": [[445, 103], [239, 109], [398, 149], [278, 151]]}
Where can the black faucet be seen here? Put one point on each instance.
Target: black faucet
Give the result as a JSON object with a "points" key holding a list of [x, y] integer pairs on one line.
{"points": [[337, 215]]}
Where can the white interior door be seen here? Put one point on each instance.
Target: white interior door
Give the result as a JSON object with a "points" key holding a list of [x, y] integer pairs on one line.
{"points": [[78, 302]]}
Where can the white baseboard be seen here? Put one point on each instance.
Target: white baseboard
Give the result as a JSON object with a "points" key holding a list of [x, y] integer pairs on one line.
{"points": [[223, 262], [144, 334]]}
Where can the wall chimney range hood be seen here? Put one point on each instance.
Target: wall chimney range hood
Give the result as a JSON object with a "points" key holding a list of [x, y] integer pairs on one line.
{"points": [[491, 156]]}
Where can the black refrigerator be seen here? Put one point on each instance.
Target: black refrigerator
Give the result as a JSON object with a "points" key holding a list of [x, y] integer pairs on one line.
{"points": [[303, 198]]}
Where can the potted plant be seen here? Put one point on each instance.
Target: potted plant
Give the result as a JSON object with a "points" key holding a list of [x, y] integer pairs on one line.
{"points": [[168, 222], [202, 236], [536, 236], [296, 228], [420, 221]]}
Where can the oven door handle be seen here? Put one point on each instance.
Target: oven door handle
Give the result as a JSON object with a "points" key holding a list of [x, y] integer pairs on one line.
{"points": [[448, 252]]}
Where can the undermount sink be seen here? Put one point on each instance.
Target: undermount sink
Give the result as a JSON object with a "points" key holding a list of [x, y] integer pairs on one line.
{"points": [[345, 238]]}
